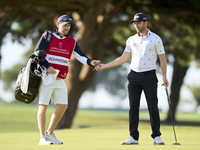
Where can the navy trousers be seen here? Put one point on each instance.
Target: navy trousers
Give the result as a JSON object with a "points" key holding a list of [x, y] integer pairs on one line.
{"points": [[147, 82]]}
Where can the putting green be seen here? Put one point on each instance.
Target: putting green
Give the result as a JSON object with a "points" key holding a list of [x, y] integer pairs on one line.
{"points": [[18, 130], [104, 138]]}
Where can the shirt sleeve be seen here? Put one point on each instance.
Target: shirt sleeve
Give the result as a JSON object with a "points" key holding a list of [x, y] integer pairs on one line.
{"points": [[127, 48], [80, 56], [159, 46]]}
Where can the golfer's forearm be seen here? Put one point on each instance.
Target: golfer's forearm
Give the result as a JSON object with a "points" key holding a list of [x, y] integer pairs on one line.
{"points": [[164, 70], [163, 66], [118, 61]]}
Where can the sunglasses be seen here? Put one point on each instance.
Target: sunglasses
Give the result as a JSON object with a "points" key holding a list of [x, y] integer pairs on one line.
{"points": [[66, 19]]}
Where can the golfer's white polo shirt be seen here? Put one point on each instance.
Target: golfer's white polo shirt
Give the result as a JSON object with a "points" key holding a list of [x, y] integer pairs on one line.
{"points": [[144, 51]]}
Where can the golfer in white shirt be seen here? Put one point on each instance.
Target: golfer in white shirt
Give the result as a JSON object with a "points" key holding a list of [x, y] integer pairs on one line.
{"points": [[143, 47]]}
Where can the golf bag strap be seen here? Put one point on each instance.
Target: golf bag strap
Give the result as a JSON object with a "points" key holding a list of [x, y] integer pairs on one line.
{"points": [[48, 39]]}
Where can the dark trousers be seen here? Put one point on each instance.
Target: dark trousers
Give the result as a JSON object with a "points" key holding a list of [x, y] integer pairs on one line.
{"points": [[146, 82]]}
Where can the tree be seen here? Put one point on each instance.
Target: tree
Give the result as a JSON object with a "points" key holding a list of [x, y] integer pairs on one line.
{"points": [[94, 21], [183, 52], [195, 88], [179, 20], [195, 91]]}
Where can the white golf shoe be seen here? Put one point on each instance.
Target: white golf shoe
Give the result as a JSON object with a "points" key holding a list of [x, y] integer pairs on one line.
{"points": [[45, 141], [158, 141], [53, 139], [130, 141]]}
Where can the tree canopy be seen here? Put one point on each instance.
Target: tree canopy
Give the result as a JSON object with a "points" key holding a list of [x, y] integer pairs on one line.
{"points": [[101, 28]]}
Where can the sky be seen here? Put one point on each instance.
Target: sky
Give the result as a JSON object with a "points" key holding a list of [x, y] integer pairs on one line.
{"points": [[12, 53]]}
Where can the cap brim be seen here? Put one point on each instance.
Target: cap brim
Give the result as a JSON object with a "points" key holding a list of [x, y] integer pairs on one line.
{"points": [[136, 21], [64, 23]]}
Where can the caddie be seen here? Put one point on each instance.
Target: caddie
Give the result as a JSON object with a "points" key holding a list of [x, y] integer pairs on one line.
{"points": [[58, 52]]}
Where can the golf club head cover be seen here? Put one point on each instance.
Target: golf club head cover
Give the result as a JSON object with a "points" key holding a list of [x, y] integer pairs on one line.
{"points": [[38, 57]]}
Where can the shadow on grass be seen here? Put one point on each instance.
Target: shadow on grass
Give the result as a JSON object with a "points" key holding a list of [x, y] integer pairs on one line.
{"points": [[179, 123]]}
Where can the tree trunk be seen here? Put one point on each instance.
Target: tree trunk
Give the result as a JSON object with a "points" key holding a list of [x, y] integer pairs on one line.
{"points": [[76, 86], [79, 79], [177, 81]]}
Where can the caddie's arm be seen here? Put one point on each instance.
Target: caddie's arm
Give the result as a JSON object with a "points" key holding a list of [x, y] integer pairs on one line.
{"points": [[80, 56]]}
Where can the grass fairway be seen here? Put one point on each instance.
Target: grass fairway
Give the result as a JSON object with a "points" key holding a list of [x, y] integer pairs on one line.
{"points": [[107, 130]]}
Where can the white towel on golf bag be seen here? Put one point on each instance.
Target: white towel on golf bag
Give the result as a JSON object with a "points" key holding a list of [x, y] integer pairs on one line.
{"points": [[48, 78], [25, 78]]}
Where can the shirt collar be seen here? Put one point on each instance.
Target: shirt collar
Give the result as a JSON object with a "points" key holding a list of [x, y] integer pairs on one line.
{"points": [[147, 35], [56, 31]]}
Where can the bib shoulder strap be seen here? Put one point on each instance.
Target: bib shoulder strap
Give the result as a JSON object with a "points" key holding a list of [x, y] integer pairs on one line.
{"points": [[48, 39]]}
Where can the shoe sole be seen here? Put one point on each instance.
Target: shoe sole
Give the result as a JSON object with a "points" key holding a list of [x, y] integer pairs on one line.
{"points": [[57, 143], [158, 143], [46, 144], [130, 144]]}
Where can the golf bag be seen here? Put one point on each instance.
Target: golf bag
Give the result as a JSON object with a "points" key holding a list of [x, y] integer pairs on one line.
{"points": [[30, 77]]}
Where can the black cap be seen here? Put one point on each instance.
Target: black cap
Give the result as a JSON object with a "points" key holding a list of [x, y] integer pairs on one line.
{"points": [[139, 17], [64, 19]]}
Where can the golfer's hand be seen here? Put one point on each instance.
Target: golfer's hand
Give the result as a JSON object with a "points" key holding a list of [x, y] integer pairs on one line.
{"points": [[51, 70], [165, 82], [95, 62], [100, 67]]}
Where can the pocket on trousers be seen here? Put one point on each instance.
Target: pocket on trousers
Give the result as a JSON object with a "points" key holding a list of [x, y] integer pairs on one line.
{"points": [[154, 77]]}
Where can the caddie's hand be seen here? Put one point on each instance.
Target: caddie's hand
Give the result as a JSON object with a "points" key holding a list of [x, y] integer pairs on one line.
{"points": [[95, 62], [165, 82], [51, 70]]}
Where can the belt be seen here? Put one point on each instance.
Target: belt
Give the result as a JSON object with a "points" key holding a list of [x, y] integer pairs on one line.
{"points": [[146, 72]]}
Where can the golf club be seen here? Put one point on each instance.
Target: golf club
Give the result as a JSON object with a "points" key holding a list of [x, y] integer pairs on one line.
{"points": [[171, 117]]}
